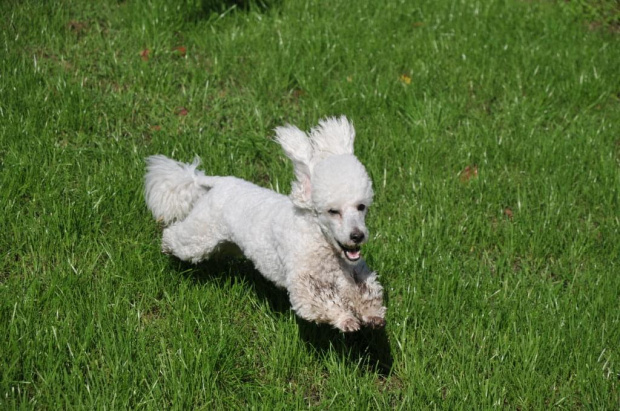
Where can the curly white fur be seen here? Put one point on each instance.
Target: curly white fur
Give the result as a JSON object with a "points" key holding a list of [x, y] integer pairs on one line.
{"points": [[308, 243]]}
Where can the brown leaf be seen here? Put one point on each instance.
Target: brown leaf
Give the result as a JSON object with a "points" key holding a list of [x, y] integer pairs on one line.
{"points": [[181, 51], [181, 111], [144, 54], [468, 173], [77, 26]]}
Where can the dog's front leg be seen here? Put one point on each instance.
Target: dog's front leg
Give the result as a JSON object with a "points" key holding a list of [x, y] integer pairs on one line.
{"points": [[322, 301], [369, 302]]}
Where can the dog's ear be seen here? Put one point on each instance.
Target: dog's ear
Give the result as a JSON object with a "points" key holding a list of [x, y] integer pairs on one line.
{"points": [[333, 136], [297, 147]]}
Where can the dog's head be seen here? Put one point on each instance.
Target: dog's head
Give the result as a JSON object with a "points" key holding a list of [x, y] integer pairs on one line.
{"points": [[330, 182]]}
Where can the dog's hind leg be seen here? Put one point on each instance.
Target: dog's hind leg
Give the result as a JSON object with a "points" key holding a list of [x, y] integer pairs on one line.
{"points": [[191, 240]]}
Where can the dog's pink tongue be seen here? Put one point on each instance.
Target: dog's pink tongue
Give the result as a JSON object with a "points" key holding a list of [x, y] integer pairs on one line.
{"points": [[353, 255]]}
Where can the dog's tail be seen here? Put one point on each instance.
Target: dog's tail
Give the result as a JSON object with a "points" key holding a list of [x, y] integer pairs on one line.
{"points": [[171, 188]]}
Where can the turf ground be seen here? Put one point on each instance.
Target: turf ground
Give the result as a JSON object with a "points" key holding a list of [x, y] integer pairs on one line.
{"points": [[491, 130]]}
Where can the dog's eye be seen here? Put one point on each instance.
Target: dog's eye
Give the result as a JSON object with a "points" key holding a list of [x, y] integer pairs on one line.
{"points": [[361, 207], [333, 212]]}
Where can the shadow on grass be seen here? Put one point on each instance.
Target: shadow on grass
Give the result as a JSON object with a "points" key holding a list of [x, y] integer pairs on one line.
{"points": [[367, 347], [208, 9]]}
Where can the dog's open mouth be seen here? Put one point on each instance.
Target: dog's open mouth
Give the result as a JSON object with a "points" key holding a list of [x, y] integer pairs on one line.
{"points": [[351, 253]]}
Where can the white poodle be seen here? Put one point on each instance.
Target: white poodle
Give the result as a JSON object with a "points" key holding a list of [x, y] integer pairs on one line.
{"points": [[308, 243]]}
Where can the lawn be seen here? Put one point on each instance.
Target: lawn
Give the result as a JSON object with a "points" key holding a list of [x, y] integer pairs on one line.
{"points": [[491, 130]]}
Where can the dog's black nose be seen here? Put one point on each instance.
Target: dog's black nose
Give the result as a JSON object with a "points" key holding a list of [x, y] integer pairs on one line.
{"points": [[357, 236]]}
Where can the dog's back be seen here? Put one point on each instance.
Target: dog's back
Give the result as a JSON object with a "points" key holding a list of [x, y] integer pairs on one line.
{"points": [[203, 213]]}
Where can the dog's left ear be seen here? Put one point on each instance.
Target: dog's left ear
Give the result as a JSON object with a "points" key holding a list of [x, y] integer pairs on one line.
{"points": [[333, 136], [297, 147]]}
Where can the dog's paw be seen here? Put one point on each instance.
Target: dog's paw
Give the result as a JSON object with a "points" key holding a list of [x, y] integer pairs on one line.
{"points": [[374, 322], [348, 325]]}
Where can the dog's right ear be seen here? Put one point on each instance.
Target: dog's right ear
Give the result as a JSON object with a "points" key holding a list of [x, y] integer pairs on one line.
{"points": [[298, 148]]}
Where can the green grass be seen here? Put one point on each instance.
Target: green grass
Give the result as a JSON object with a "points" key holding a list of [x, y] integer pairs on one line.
{"points": [[502, 287]]}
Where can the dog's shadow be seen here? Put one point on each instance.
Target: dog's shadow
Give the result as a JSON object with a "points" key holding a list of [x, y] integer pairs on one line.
{"points": [[368, 348]]}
